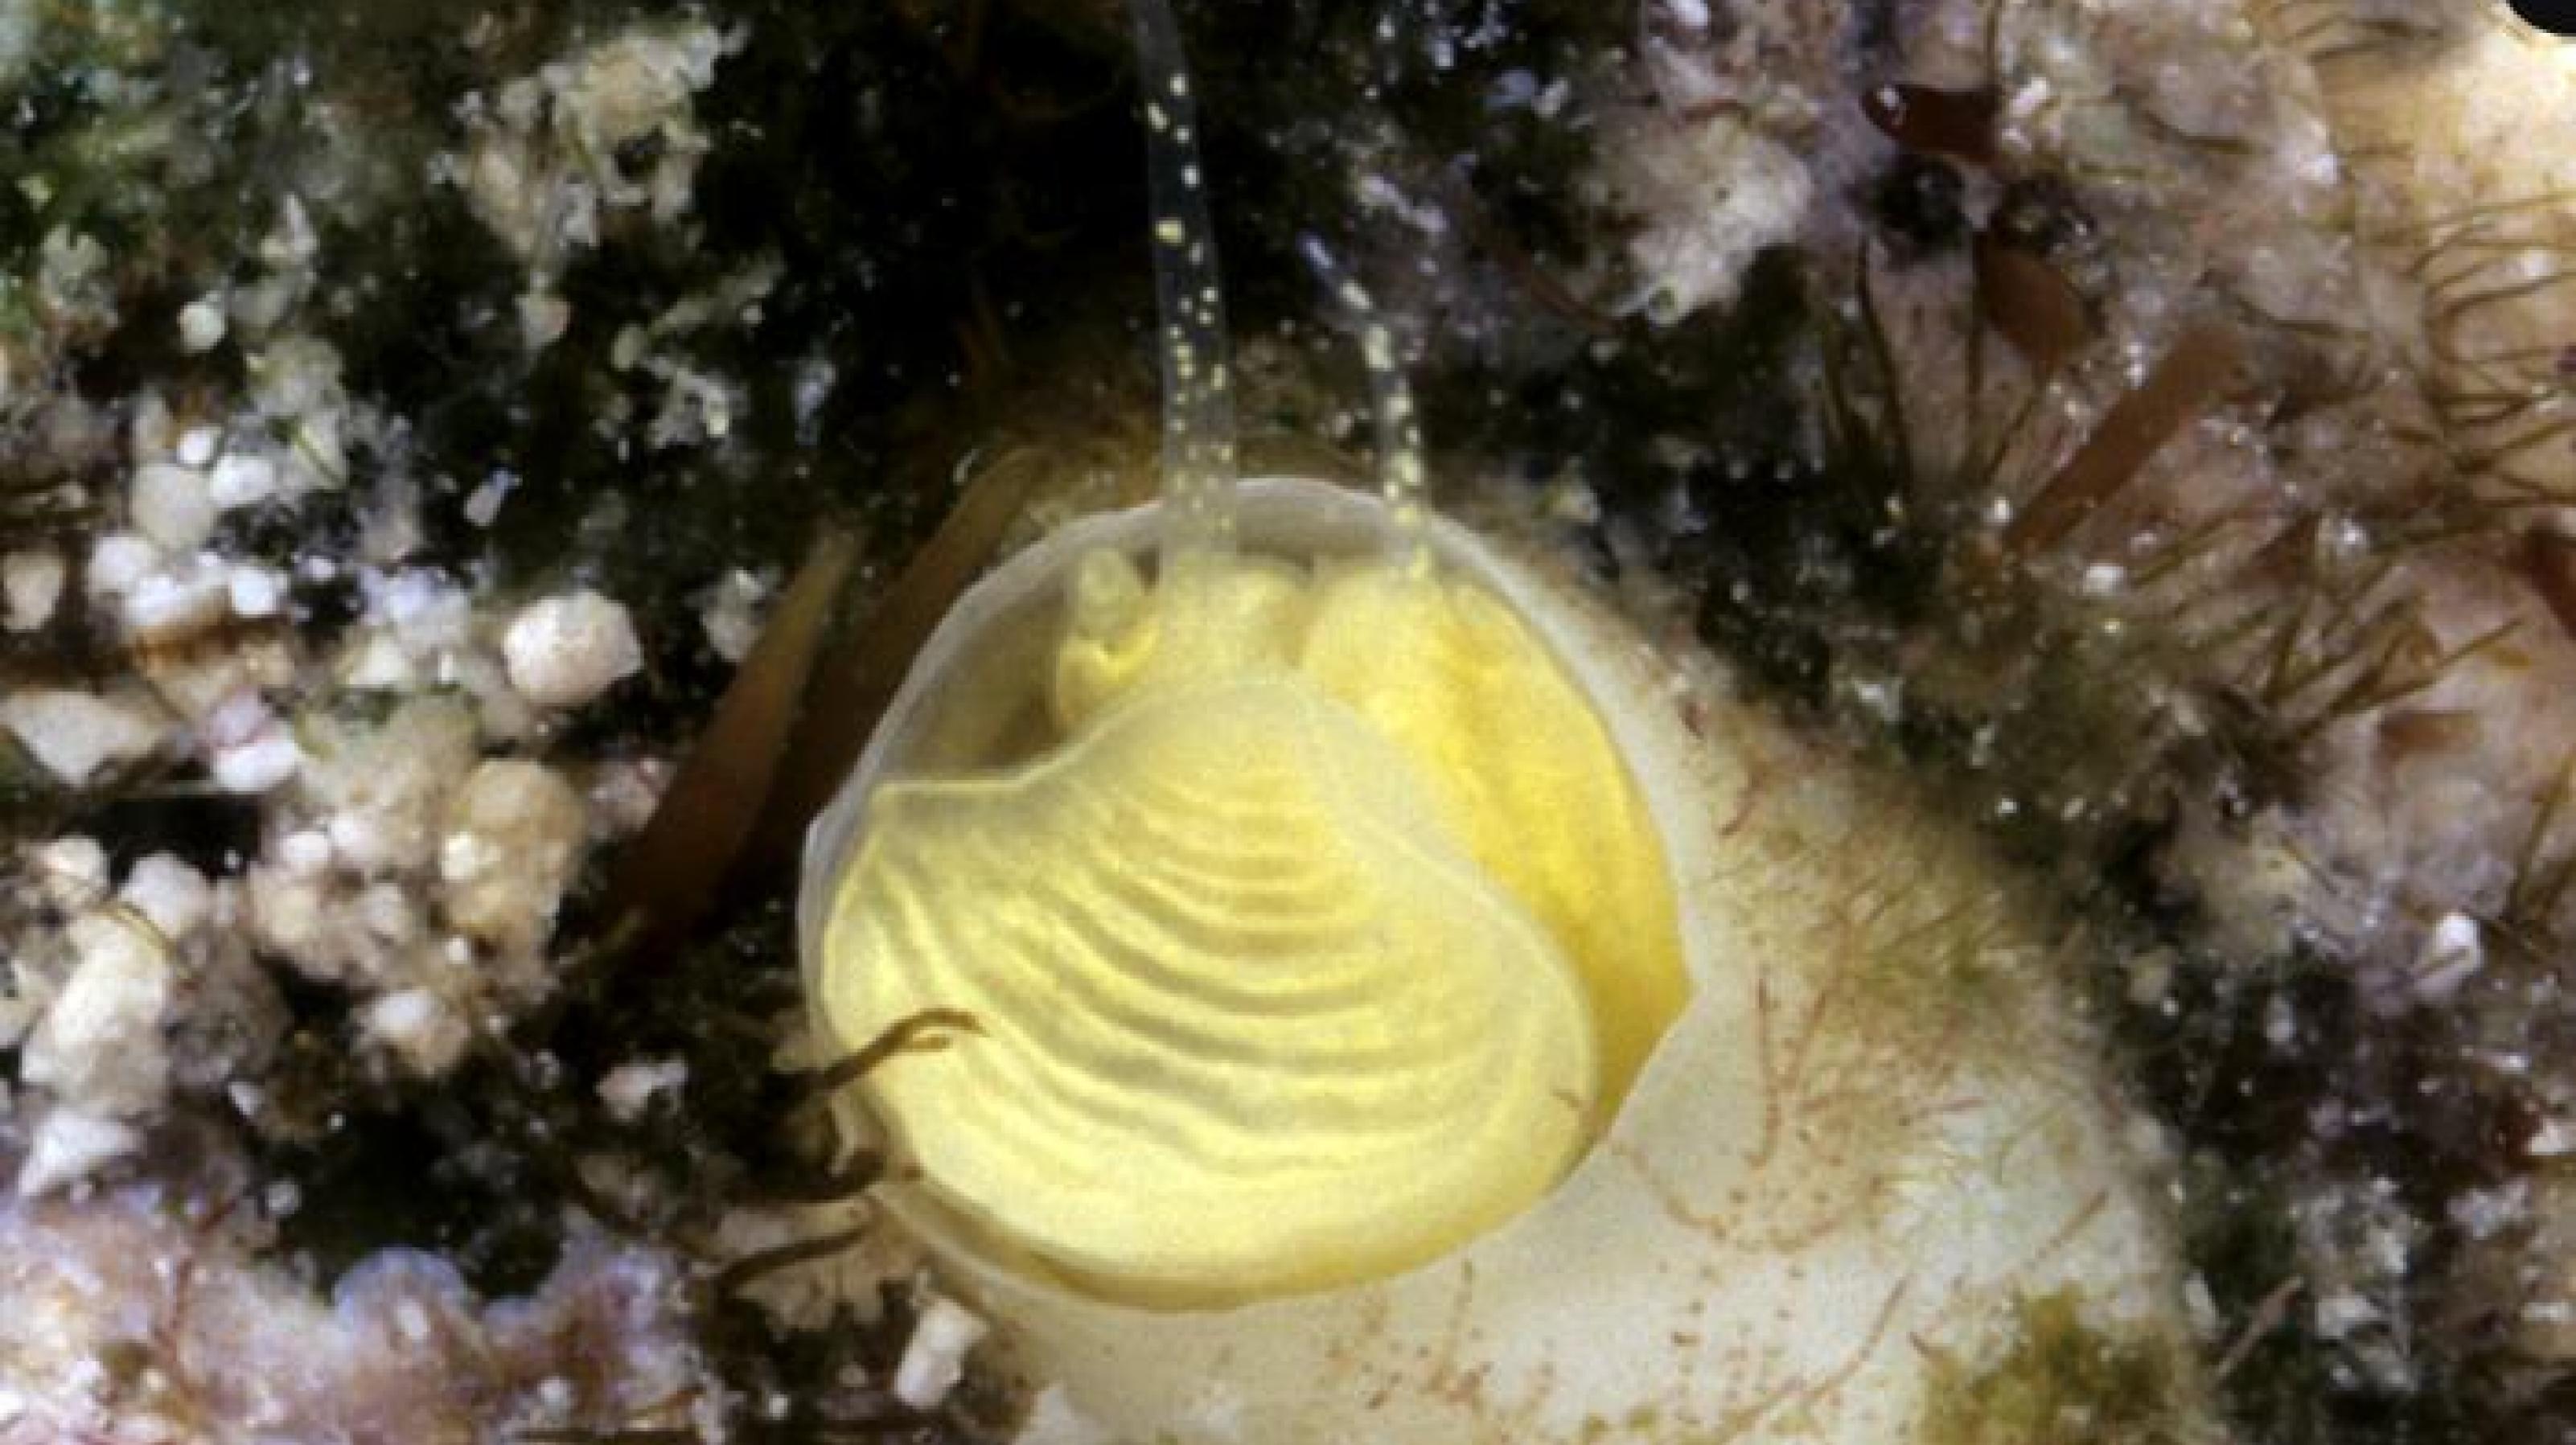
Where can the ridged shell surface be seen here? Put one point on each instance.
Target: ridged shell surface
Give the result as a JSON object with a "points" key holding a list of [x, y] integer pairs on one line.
{"points": [[1249, 1019]]}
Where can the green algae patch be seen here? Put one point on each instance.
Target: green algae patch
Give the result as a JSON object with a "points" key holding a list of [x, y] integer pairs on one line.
{"points": [[2062, 1379]]}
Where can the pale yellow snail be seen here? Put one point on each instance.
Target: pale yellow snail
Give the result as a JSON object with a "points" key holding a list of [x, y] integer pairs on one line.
{"points": [[1395, 1024]]}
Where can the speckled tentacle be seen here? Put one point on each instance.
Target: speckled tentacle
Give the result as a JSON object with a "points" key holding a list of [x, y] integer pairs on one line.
{"points": [[1400, 475], [1198, 398]]}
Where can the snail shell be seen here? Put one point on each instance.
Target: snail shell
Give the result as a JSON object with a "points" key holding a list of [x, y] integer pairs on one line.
{"points": [[1829, 1172]]}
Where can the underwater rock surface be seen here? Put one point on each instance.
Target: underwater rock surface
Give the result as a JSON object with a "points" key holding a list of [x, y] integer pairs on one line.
{"points": [[150, 1312], [2121, 444]]}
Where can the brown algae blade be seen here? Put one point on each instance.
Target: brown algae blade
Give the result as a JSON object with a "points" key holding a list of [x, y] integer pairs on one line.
{"points": [[855, 682], [2189, 377], [669, 876]]}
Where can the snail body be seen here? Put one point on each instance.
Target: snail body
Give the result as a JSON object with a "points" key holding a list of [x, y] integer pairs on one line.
{"points": [[1802, 1183]]}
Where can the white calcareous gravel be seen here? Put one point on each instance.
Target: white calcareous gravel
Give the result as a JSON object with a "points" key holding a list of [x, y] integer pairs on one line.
{"points": [[99, 1046], [70, 872], [197, 446], [201, 325], [564, 651], [71, 1146], [264, 760], [934, 1360], [171, 505], [117, 561], [241, 480], [255, 591], [1710, 197], [173, 896], [514, 837], [732, 610], [630, 1089], [178, 603], [73, 735], [377, 790], [31, 586], [422, 1029]]}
